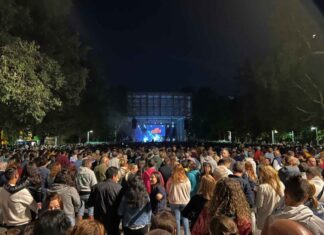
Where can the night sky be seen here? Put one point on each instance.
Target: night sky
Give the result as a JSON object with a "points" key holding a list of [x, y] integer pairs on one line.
{"points": [[164, 45]]}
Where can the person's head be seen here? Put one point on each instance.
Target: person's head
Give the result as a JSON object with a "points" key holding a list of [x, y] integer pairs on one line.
{"points": [[123, 163], [178, 174], [312, 172], [112, 173], [268, 175], [287, 227], [88, 227], [56, 168], [238, 168], [3, 166], [249, 170], [133, 168], [64, 177], [297, 191], [164, 220], [151, 162], [221, 224], [54, 222], [225, 153], [192, 165], [136, 195], [291, 160], [220, 172], [87, 163], [225, 162], [311, 161], [228, 199], [155, 178], [12, 174], [104, 161], [54, 202], [207, 168], [206, 187]]}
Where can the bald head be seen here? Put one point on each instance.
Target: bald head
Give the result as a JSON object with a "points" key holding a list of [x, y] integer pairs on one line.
{"points": [[288, 227]]}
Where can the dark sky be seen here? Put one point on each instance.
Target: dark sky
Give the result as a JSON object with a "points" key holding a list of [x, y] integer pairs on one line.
{"points": [[164, 45]]}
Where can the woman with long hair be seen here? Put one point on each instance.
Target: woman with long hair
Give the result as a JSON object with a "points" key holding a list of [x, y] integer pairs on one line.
{"points": [[207, 169], [158, 193], [228, 200], [197, 202], [178, 188], [251, 175], [135, 208], [269, 194]]}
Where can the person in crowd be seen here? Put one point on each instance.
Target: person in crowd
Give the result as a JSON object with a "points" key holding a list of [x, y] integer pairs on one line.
{"points": [[197, 202], [53, 202], [311, 162], [56, 168], [100, 170], [85, 180], [123, 169], [135, 208], [158, 193], [105, 198], [63, 159], [238, 171], [296, 194], [277, 160], [16, 208], [166, 169], [314, 176], [251, 176], [209, 159], [220, 172], [227, 162], [54, 222], [290, 169], [114, 160], [166, 221], [269, 194], [229, 200], [194, 176], [42, 163], [88, 227], [207, 169], [313, 203], [225, 154], [63, 185], [221, 224], [3, 179], [178, 189], [158, 231], [147, 174], [132, 170], [269, 155], [287, 227]]}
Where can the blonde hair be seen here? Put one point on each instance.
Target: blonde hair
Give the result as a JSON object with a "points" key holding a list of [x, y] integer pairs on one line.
{"points": [[268, 175], [249, 171], [207, 185], [178, 174], [220, 225]]}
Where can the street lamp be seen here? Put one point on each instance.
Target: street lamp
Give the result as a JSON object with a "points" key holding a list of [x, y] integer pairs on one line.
{"points": [[230, 136], [273, 132], [88, 135], [313, 128]]}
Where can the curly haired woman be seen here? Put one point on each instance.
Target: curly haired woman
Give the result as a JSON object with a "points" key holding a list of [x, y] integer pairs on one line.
{"points": [[228, 200]]}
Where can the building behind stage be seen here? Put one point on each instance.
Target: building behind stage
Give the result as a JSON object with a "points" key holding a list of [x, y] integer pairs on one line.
{"points": [[159, 116]]}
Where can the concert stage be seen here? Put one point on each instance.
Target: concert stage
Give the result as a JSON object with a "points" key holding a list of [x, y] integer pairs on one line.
{"points": [[159, 116]]}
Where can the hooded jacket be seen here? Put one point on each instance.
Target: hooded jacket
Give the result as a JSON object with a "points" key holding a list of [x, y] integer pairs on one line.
{"points": [[301, 214], [70, 197], [85, 180]]}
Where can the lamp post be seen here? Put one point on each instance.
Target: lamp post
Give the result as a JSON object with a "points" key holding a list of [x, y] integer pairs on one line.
{"points": [[230, 136], [313, 128], [293, 136], [273, 132], [88, 135]]}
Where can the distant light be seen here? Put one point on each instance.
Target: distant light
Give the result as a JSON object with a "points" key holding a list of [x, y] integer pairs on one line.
{"points": [[313, 128], [314, 36], [145, 139]]}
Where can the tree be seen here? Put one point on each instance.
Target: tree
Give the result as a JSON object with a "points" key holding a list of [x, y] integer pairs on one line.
{"points": [[29, 81]]}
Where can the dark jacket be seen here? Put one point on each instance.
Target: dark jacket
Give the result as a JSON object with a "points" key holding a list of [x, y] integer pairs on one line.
{"points": [[193, 208], [246, 189], [105, 198]]}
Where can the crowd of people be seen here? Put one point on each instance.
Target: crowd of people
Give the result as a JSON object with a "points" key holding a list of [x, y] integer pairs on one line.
{"points": [[163, 189]]}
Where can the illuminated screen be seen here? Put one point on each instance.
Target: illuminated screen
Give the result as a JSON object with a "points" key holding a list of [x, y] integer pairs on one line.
{"points": [[150, 133]]}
